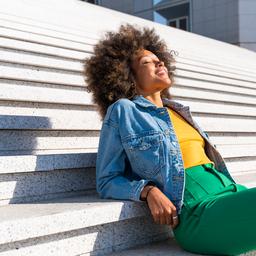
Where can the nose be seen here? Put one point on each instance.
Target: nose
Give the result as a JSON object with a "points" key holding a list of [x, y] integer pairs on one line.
{"points": [[160, 63]]}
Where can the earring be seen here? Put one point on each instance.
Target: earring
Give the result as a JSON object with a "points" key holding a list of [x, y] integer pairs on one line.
{"points": [[111, 96]]}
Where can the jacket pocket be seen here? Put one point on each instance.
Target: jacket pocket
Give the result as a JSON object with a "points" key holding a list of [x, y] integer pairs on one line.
{"points": [[145, 152]]}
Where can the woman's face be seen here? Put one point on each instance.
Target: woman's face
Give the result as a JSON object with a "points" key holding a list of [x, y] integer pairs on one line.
{"points": [[151, 75]]}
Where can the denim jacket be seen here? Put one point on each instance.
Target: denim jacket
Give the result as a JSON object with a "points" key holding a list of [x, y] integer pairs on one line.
{"points": [[138, 145]]}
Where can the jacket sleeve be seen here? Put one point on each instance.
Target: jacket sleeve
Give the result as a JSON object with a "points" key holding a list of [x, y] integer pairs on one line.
{"points": [[110, 167]]}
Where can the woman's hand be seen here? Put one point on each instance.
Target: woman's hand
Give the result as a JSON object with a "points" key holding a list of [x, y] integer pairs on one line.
{"points": [[162, 209]]}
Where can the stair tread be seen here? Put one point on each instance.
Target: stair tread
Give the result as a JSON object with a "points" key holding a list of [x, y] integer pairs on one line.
{"points": [[26, 220], [160, 248], [167, 247]]}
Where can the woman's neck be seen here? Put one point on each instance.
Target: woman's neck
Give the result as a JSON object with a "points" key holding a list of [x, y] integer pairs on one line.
{"points": [[155, 99]]}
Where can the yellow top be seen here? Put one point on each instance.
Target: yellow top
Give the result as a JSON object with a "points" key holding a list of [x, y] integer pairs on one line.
{"points": [[191, 142]]}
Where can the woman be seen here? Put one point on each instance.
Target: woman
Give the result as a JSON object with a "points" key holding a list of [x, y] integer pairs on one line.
{"points": [[151, 149]]}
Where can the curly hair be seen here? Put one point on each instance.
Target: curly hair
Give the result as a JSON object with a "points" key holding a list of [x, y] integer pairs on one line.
{"points": [[108, 73]]}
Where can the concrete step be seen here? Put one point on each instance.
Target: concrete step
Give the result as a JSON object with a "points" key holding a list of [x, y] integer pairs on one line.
{"points": [[227, 70], [48, 30], [48, 161], [15, 142], [90, 36], [59, 103], [57, 173], [237, 124], [36, 177], [168, 247], [89, 121], [43, 49], [57, 16], [53, 142], [40, 75], [47, 40], [76, 226], [210, 94], [31, 59]]}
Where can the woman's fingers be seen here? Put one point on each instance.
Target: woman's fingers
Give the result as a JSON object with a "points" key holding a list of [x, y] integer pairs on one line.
{"points": [[169, 216], [162, 209], [157, 216], [165, 217], [175, 217], [175, 222]]}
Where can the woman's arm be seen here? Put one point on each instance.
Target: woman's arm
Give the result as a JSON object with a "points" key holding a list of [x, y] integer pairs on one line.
{"points": [[110, 167], [111, 182]]}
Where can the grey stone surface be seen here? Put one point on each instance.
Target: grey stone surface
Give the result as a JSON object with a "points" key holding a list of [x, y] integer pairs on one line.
{"points": [[32, 141], [35, 186], [82, 121], [23, 221], [217, 19], [125, 235], [40, 97], [161, 248], [76, 225], [47, 162], [167, 247]]}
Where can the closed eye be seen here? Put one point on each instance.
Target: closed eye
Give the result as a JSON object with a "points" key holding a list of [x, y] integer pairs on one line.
{"points": [[156, 62]]}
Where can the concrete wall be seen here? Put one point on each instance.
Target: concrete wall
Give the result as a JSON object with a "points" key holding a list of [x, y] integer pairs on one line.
{"points": [[247, 24], [216, 19], [142, 8]]}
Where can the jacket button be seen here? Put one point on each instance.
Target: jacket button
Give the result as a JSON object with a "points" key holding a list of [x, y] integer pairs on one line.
{"points": [[167, 132]]}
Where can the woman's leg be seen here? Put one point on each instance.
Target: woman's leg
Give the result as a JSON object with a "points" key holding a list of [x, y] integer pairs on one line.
{"points": [[222, 226], [223, 223]]}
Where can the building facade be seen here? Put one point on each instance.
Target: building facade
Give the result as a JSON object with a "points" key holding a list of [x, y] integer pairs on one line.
{"points": [[231, 21]]}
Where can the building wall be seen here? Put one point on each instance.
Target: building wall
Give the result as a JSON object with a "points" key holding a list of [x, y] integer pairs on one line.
{"points": [[144, 9], [126, 6], [230, 21], [247, 24], [216, 19]]}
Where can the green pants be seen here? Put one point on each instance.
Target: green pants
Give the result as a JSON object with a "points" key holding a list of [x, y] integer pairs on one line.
{"points": [[218, 217]]}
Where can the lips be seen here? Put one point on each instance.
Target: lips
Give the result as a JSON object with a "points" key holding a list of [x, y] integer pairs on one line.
{"points": [[161, 72]]}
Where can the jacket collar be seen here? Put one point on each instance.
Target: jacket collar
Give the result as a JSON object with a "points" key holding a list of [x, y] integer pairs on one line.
{"points": [[142, 101]]}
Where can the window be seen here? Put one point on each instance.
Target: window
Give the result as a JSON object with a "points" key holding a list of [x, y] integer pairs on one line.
{"points": [[91, 1], [173, 23], [181, 23]]}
